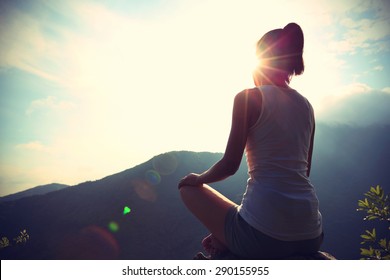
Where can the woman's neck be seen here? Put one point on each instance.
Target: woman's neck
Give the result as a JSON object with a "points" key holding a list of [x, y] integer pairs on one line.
{"points": [[274, 78], [278, 83]]}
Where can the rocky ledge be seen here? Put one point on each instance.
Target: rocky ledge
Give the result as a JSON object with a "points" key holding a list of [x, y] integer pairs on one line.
{"points": [[229, 256]]}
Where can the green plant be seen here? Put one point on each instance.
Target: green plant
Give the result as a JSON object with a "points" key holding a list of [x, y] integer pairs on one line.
{"points": [[377, 207], [22, 238], [4, 242]]}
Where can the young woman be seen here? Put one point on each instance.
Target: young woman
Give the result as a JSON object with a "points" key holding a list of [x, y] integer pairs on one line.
{"points": [[279, 215]]}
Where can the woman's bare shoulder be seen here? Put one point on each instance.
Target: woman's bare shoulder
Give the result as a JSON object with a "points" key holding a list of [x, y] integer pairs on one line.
{"points": [[250, 100], [249, 94]]}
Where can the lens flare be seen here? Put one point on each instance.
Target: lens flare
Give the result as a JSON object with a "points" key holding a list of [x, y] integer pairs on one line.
{"points": [[165, 164], [126, 210], [90, 243], [113, 227], [153, 177], [144, 190]]}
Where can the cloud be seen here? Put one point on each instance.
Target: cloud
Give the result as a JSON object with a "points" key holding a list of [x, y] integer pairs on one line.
{"points": [[378, 68], [365, 27], [50, 103], [35, 146], [356, 104], [24, 46]]}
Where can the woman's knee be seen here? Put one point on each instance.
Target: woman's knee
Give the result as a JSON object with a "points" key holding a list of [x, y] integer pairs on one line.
{"points": [[184, 192], [190, 193]]}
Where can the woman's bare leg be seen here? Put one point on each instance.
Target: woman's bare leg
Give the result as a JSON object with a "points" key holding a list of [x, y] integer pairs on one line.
{"points": [[210, 207]]}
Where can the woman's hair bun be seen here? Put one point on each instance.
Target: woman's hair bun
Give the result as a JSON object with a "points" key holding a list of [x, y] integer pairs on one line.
{"points": [[294, 41], [294, 34]]}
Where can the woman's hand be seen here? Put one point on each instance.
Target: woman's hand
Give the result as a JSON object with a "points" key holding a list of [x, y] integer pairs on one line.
{"points": [[191, 179]]}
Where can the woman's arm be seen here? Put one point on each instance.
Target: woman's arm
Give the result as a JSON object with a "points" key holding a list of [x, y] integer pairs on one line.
{"points": [[230, 162], [310, 151]]}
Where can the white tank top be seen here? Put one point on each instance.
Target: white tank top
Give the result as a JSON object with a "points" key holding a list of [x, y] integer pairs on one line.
{"points": [[279, 200]]}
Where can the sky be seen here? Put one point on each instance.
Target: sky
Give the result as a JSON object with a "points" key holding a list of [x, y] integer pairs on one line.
{"points": [[91, 88]]}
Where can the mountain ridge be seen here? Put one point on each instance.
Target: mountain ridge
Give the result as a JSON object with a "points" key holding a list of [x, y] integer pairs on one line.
{"points": [[38, 190], [92, 206]]}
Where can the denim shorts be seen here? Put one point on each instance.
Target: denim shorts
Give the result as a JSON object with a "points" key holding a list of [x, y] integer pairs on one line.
{"points": [[247, 242]]}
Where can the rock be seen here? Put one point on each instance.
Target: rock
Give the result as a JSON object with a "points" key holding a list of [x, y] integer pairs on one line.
{"points": [[317, 256], [229, 256]]}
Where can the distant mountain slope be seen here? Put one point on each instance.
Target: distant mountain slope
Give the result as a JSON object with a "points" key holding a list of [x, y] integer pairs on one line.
{"points": [[87, 221], [75, 223], [348, 160], [34, 191]]}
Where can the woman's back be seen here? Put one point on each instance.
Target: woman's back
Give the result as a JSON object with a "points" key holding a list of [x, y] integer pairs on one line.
{"points": [[278, 143], [280, 200]]}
